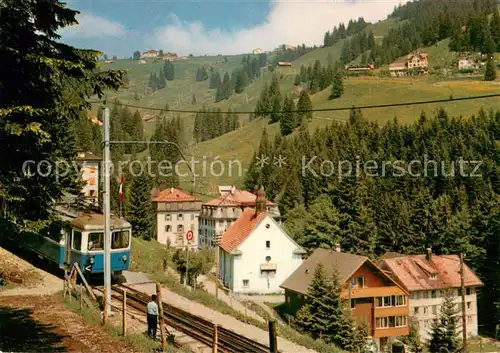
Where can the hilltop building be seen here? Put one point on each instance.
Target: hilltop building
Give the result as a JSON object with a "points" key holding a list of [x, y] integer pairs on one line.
{"points": [[177, 213], [427, 278], [359, 68], [89, 163], [257, 51], [255, 253], [374, 296], [219, 214], [414, 63], [150, 54]]}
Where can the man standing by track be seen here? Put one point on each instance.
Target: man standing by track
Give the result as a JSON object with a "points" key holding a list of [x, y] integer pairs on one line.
{"points": [[152, 316]]}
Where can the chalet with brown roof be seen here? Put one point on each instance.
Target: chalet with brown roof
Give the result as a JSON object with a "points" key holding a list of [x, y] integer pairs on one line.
{"points": [[218, 214], [255, 254], [374, 296], [414, 63], [427, 278], [177, 214], [150, 54], [283, 64]]}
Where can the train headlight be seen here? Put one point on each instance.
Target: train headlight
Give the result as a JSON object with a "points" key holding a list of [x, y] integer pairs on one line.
{"points": [[124, 258]]}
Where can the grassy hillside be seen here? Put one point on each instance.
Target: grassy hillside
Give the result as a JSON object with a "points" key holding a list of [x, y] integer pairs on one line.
{"points": [[240, 145]]}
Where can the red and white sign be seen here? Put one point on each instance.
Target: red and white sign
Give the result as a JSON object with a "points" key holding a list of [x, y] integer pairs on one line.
{"points": [[189, 235]]}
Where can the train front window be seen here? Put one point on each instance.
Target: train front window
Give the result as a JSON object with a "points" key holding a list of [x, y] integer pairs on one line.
{"points": [[120, 239], [77, 240], [96, 241]]}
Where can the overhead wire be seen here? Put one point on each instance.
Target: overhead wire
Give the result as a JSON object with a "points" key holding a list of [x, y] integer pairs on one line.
{"points": [[373, 106]]}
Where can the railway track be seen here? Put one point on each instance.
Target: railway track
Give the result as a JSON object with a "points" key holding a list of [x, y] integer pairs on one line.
{"points": [[191, 325]]}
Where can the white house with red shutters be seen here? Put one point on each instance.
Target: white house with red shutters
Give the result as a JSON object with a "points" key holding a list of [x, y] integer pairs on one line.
{"points": [[255, 254]]}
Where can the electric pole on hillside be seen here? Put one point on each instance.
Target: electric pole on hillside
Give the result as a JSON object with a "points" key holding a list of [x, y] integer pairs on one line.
{"points": [[107, 198], [464, 323]]}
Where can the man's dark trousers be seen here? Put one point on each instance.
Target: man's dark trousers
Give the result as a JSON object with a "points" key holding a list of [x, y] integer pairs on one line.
{"points": [[152, 325]]}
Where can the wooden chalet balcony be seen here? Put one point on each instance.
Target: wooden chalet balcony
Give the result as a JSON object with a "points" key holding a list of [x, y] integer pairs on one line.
{"points": [[391, 331], [371, 292]]}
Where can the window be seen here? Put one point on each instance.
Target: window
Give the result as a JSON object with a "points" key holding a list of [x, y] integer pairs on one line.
{"points": [[179, 206], [358, 282], [426, 309], [382, 322], [192, 216], [268, 258], [192, 227], [425, 295], [469, 305], [469, 291], [383, 301], [433, 294], [92, 193], [415, 310], [268, 244], [180, 217], [96, 241], [168, 217], [168, 229], [268, 226], [245, 283], [180, 228], [399, 300], [353, 303], [400, 321], [469, 319], [120, 239], [434, 309], [77, 240]]}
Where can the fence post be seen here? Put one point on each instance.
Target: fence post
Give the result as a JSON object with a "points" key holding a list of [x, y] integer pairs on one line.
{"points": [[273, 338], [70, 291], [160, 315], [124, 313], [81, 297], [105, 306], [215, 338]]}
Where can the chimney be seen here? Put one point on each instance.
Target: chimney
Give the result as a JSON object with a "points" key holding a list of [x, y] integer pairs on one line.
{"points": [[171, 190], [429, 254], [232, 190], [260, 202], [337, 247]]}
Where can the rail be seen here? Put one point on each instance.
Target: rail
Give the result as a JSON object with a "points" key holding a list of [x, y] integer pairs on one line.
{"points": [[194, 326]]}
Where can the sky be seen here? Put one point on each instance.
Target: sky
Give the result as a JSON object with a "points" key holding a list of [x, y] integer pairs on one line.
{"points": [[211, 27]]}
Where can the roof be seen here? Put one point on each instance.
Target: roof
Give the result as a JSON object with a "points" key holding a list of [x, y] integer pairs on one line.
{"points": [[235, 198], [413, 272], [95, 221], [150, 51], [345, 263], [284, 63], [241, 229], [397, 65], [174, 195]]}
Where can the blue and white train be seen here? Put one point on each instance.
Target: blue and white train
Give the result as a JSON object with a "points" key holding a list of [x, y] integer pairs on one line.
{"points": [[81, 240]]}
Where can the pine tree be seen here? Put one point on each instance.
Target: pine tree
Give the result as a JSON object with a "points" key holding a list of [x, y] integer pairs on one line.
{"points": [[297, 80], [491, 71], [241, 82], [287, 119], [304, 106], [338, 86], [276, 109], [140, 207], [444, 335], [324, 314], [495, 28]]}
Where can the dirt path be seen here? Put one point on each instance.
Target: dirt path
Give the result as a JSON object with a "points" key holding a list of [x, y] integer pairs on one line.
{"points": [[44, 324]]}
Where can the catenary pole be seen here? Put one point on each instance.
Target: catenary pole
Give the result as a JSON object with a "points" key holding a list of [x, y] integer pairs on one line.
{"points": [[106, 212]]}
